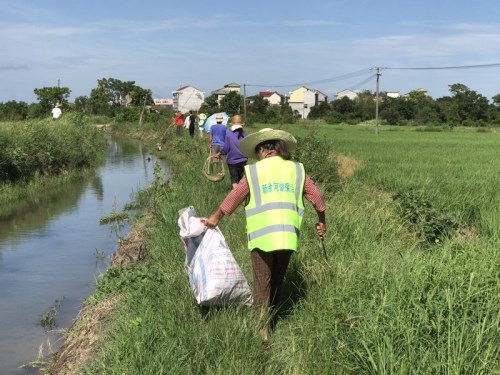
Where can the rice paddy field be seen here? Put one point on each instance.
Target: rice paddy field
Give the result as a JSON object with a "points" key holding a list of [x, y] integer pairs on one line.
{"points": [[410, 286]]}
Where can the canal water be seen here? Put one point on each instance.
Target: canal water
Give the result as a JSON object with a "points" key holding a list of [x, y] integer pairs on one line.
{"points": [[53, 250]]}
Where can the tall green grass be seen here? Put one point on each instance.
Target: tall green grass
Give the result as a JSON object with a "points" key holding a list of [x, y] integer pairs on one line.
{"points": [[32, 148], [381, 304]]}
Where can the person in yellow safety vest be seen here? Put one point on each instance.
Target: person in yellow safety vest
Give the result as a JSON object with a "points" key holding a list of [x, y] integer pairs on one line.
{"points": [[274, 188]]}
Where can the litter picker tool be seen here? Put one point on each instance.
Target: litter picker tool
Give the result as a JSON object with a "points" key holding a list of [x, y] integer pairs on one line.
{"points": [[322, 243]]}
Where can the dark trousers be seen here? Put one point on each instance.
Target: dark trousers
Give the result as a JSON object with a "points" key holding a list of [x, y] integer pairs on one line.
{"points": [[269, 269], [236, 171]]}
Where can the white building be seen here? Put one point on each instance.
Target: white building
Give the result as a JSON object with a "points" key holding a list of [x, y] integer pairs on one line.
{"points": [[346, 93], [187, 98], [303, 98], [392, 94], [272, 97], [222, 92]]}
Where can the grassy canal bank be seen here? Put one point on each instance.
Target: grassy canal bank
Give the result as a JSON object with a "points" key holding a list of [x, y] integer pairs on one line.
{"points": [[411, 284]]}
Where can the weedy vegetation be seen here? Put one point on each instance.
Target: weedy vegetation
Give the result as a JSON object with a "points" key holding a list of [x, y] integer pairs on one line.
{"points": [[35, 155], [48, 320]]}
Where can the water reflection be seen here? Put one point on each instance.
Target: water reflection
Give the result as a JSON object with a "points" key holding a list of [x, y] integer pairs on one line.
{"points": [[53, 249], [16, 220], [97, 187]]}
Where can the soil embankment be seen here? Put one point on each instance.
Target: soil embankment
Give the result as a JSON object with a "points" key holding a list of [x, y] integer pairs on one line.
{"points": [[91, 321]]}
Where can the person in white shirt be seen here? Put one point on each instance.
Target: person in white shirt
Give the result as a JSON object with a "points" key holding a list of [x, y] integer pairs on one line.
{"points": [[56, 112]]}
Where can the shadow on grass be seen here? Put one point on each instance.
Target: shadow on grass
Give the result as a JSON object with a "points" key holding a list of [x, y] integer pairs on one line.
{"points": [[294, 290], [207, 312]]}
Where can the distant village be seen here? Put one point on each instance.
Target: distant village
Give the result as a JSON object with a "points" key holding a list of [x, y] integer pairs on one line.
{"points": [[189, 98]]}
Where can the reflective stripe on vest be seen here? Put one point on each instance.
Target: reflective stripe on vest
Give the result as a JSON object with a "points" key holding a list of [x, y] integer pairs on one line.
{"points": [[275, 209]]}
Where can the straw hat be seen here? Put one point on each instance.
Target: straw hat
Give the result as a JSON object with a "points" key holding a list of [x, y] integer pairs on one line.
{"points": [[202, 116], [236, 122], [219, 117], [248, 144]]}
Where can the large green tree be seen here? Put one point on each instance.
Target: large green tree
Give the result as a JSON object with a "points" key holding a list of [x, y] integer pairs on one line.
{"points": [[258, 105], [232, 103], [48, 97], [210, 105], [343, 105], [13, 111], [322, 110], [390, 110], [81, 104], [469, 105], [112, 93], [365, 106]]}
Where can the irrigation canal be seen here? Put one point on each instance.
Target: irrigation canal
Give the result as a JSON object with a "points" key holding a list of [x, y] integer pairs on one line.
{"points": [[51, 253]]}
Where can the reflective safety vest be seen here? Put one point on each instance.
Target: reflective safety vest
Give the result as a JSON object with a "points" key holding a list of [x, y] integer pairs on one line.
{"points": [[275, 207]]}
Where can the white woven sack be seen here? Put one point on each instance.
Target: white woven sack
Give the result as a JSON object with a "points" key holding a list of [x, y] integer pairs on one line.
{"points": [[214, 274]]}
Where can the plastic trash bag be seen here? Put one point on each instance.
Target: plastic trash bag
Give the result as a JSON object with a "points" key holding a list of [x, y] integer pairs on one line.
{"points": [[213, 273]]}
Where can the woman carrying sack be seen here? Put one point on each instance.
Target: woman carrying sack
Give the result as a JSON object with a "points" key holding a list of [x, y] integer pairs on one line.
{"points": [[275, 187]]}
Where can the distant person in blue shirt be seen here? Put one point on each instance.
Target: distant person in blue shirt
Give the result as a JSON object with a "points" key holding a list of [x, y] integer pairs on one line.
{"points": [[217, 135]]}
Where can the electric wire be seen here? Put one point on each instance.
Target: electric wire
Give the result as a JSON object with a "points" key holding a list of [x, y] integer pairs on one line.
{"points": [[364, 71], [327, 80], [359, 84], [494, 65]]}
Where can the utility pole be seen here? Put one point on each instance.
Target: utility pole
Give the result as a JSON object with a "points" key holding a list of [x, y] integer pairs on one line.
{"points": [[59, 82], [245, 101], [376, 102]]}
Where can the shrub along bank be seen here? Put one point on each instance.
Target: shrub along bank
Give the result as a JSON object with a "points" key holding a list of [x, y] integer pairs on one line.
{"points": [[47, 148], [40, 156], [380, 304]]}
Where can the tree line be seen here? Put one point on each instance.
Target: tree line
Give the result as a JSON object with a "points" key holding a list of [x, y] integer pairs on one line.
{"points": [[464, 107], [126, 101]]}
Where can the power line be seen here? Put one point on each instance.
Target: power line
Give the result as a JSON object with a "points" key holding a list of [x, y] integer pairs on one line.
{"points": [[363, 71], [359, 84], [495, 65], [344, 76]]}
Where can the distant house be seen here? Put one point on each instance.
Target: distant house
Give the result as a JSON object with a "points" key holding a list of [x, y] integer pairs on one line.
{"points": [[303, 98], [187, 98], [392, 94], [222, 92], [272, 97], [346, 93], [164, 102]]}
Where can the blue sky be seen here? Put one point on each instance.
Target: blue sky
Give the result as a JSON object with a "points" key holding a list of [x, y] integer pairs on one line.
{"points": [[329, 45]]}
